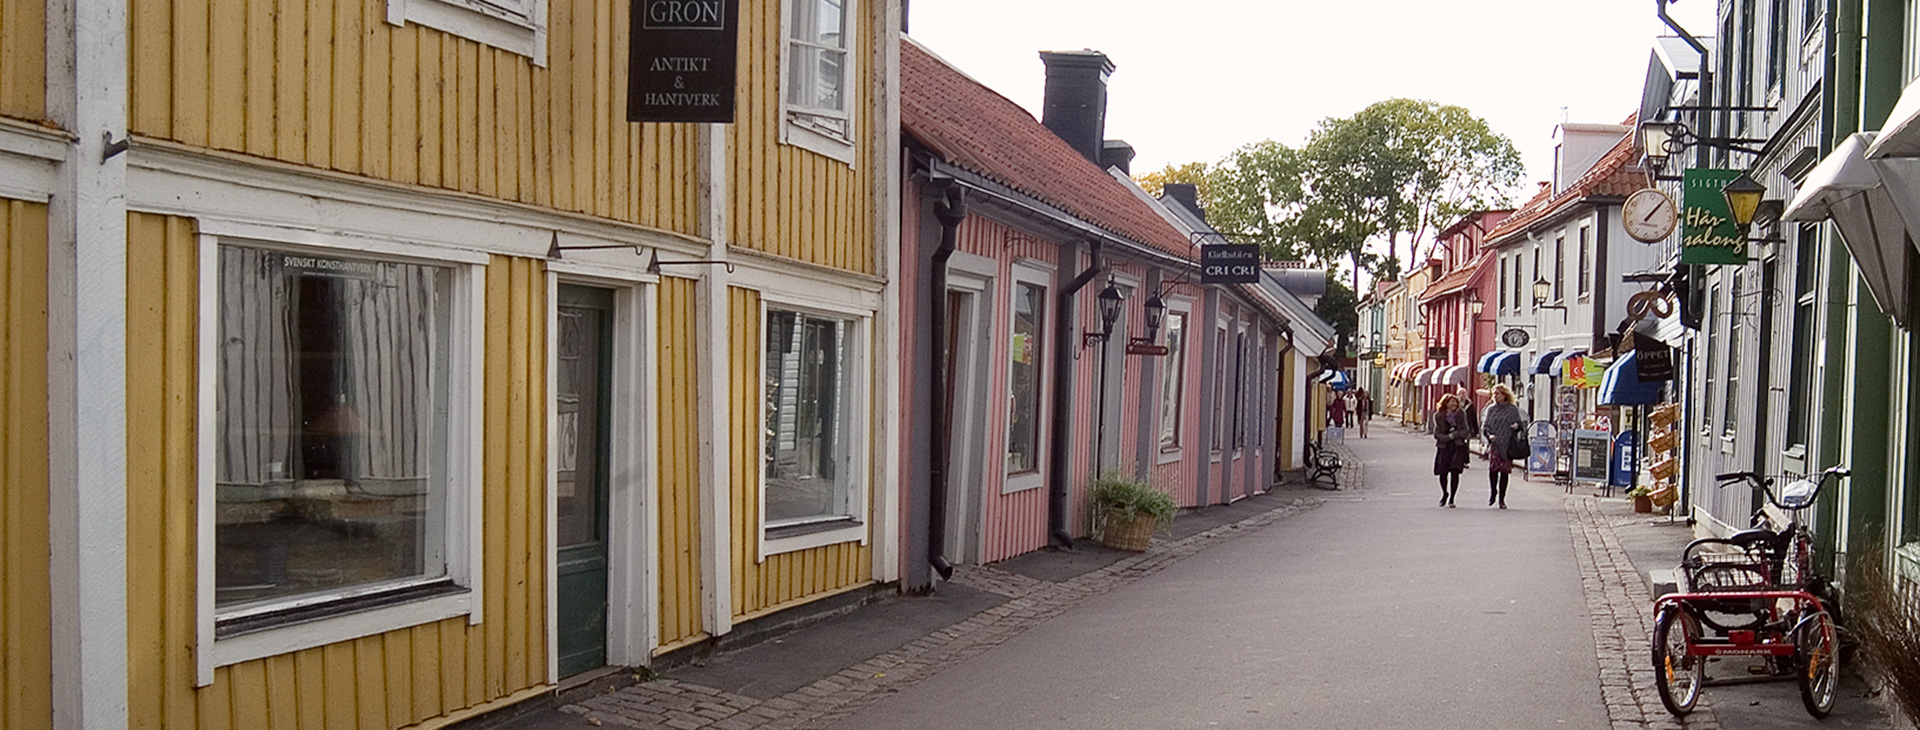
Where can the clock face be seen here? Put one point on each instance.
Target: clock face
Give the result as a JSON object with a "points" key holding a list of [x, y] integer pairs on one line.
{"points": [[1649, 215]]}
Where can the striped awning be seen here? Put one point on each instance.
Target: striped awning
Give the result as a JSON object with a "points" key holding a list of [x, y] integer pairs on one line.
{"points": [[1507, 363], [1545, 363], [1485, 364]]}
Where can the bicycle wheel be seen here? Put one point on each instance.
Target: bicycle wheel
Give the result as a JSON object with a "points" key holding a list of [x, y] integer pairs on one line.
{"points": [[1817, 659], [1677, 674]]}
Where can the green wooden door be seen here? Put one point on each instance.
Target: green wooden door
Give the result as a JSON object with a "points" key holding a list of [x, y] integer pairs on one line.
{"points": [[582, 392]]}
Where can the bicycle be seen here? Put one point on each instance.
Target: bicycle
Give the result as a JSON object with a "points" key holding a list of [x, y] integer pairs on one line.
{"points": [[1754, 593]]}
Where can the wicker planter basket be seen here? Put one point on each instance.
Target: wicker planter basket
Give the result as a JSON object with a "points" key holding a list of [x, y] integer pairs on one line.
{"points": [[1121, 533]]}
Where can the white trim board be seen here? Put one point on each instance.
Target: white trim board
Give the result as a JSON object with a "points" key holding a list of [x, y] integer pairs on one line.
{"points": [[164, 179]]}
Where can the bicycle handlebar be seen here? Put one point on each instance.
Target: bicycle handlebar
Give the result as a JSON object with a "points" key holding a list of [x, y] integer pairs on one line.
{"points": [[1748, 476]]}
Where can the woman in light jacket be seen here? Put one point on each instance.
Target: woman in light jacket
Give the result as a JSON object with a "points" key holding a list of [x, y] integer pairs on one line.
{"points": [[1501, 424], [1450, 429]]}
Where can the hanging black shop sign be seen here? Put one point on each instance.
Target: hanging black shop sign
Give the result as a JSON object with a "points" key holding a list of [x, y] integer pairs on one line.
{"points": [[1655, 360], [1230, 263], [682, 59]]}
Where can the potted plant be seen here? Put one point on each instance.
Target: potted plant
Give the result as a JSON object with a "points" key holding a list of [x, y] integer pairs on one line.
{"points": [[1642, 499], [1127, 511]]}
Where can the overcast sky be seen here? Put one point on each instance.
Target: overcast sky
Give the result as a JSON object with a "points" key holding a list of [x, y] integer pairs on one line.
{"points": [[1199, 78]]}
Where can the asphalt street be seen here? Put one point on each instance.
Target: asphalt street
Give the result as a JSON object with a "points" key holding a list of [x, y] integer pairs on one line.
{"points": [[1383, 610]]}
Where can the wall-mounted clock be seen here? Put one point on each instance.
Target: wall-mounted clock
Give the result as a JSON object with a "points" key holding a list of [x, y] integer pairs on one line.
{"points": [[1649, 215]]}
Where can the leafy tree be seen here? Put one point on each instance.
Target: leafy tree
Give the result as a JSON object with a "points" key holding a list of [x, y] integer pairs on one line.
{"points": [[1337, 308], [1398, 168], [1192, 172]]}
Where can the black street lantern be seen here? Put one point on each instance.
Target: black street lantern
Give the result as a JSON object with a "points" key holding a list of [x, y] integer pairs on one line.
{"points": [[1743, 198], [1156, 311], [1541, 291], [1109, 301]]}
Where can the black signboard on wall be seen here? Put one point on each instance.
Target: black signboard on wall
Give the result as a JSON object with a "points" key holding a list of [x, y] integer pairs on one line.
{"points": [[1230, 263], [682, 59]]}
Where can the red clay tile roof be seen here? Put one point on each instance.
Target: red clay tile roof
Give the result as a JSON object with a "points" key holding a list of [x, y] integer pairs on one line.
{"points": [[1456, 279], [977, 129], [1615, 175]]}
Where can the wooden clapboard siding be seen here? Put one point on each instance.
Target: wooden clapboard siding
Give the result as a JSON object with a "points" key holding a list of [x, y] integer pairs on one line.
{"points": [[331, 84], [681, 619], [786, 200], [23, 59], [26, 694], [786, 579], [389, 680]]}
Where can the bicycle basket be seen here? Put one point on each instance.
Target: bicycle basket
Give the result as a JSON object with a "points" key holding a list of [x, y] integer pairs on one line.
{"points": [[1712, 572]]}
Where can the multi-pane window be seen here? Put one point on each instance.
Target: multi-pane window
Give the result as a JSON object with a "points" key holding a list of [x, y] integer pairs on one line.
{"points": [[1713, 348], [1800, 372], [808, 380], [331, 479], [1559, 268], [1736, 329], [1585, 262], [1023, 424], [1173, 383], [1239, 389], [817, 70], [1218, 439]]}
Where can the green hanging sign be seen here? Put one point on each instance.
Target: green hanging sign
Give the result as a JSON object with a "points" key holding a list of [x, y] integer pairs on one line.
{"points": [[1708, 234]]}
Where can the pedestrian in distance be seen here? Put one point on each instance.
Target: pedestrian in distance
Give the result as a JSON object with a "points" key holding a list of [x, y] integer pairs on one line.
{"points": [[1451, 430], [1501, 424], [1363, 406], [1337, 410]]}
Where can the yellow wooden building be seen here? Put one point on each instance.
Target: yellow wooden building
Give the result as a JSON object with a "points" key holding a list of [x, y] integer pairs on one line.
{"points": [[365, 367]]}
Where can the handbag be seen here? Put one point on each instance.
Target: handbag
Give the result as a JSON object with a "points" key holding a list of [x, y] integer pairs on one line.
{"points": [[1517, 447]]}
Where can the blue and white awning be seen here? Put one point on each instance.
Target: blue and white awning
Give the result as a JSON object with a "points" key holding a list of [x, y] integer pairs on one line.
{"points": [[1621, 386], [1546, 363]]}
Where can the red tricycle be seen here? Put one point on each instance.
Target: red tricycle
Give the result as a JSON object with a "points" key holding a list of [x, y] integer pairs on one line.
{"points": [[1755, 594]]}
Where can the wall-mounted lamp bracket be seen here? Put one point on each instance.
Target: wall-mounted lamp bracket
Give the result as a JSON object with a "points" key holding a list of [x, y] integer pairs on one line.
{"points": [[554, 248], [113, 147], [654, 264]]}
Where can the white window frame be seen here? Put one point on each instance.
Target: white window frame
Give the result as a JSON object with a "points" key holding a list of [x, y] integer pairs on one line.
{"points": [[516, 26], [465, 389], [1217, 437], [794, 128], [859, 407], [1169, 454], [634, 525], [1028, 273]]}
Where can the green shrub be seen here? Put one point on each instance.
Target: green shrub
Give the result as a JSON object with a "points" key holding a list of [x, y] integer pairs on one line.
{"points": [[1114, 491]]}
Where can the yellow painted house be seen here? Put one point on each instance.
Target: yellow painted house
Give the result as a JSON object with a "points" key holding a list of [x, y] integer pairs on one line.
{"points": [[365, 367]]}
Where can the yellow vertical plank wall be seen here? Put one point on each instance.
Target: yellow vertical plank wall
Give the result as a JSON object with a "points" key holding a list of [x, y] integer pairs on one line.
{"points": [[23, 59], [680, 614], [331, 84], [792, 202], [26, 621], [388, 680], [785, 579]]}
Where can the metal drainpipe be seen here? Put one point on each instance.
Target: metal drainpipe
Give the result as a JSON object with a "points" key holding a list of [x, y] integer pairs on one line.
{"points": [[1058, 492], [1705, 122], [951, 210]]}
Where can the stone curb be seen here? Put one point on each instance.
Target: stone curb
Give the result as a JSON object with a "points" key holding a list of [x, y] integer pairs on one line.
{"points": [[685, 706], [1620, 609]]}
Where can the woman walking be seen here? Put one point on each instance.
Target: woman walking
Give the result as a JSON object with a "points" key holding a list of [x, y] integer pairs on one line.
{"points": [[1450, 433], [1500, 423]]}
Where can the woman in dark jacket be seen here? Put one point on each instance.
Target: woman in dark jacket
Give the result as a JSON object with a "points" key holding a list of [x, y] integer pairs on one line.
{"points": [[1501, 424], [1450, 429]]}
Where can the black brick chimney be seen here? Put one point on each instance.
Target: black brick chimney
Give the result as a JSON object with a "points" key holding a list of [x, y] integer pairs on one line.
{"points": [[1075, 107], [1115, 153], [1186, 194]]}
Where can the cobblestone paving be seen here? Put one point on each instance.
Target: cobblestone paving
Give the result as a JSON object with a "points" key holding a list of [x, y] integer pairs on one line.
{"points": [[685, 706], [1621, 611]]}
